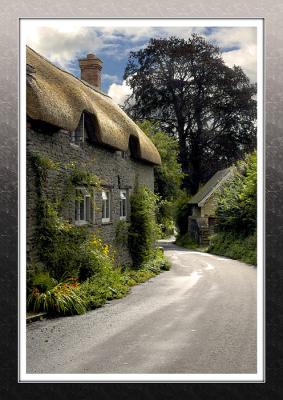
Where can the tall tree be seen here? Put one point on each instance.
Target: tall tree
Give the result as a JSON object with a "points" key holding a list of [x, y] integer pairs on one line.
{"points": [[186, 87]]}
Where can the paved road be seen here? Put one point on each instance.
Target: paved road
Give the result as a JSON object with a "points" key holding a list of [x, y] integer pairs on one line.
{"points": [[200, 317]]}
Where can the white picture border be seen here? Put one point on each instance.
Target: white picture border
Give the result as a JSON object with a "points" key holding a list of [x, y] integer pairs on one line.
{"points": [[23, 376]]}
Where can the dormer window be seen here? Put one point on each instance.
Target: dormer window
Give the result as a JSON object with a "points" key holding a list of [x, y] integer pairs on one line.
{"points": [[134, 147], [78, 135]]}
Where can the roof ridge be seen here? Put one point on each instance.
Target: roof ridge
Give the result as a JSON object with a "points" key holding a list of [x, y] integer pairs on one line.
{"points": [[69, 73], [206, 191]]}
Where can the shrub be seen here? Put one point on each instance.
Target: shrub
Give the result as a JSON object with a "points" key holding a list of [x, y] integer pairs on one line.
{"points": [[158, 264], [41, 281], [95, 257], [236, 214], [236, 209], [63, 298], [235, 246], [108, 284], [114, 282], [143, 230], [60, 243]]}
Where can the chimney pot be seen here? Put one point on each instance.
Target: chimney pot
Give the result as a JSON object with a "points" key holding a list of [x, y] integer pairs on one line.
{"points": [[91, 70]]}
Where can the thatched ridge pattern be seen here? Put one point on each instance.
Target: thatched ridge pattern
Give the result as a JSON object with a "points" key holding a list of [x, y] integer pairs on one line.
{"points": [[59, 98]]}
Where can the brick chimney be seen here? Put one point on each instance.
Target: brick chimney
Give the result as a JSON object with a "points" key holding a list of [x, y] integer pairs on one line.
{"points": [[91, 67]]}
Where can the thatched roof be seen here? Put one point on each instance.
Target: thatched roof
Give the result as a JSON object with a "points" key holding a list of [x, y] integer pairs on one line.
{"points": [[59, 98], [210, 187]]}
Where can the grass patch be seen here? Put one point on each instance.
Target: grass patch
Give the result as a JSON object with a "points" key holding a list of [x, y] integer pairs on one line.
{"points": [[238, 247]]}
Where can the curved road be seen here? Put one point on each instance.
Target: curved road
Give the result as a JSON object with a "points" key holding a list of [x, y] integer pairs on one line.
{"points": [[199, 317]]}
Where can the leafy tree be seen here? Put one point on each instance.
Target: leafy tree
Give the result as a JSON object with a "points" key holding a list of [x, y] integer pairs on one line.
{"points": [[236, 210], [209, 107], [167, 177]]}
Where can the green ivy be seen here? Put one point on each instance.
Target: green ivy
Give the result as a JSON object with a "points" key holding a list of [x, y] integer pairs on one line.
{"points": [[59, 242], [122, 233], [143, 230]]}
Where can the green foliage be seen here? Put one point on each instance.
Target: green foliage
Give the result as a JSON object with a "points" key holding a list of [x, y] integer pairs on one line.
{"points": [[181, 211], [165, 217], [68, 250], [104, 282], [143, 229], [122, 233], [187, 241], [107, 284], [60, 242], [96, 258], [157, 264], [236, 210], [236, 246], [112, 283], [83, 177], [167, 177], [42, 164], [61, 298], [185, 85], [42, 281]]}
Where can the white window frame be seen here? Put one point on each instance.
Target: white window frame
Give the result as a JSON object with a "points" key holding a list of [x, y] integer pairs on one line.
{"points": [[87, 218], [123, 199], [106, 197]]}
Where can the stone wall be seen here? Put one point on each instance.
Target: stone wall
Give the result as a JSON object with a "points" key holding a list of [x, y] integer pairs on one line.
{"points": [[209, 208], [115, 171]]}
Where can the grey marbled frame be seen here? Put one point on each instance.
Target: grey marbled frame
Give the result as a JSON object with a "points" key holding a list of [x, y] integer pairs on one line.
{"points": [[11, 11]]}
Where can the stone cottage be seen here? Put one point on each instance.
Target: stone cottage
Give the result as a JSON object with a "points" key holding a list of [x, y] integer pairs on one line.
{"points": [[70, 121], [202, 221]]}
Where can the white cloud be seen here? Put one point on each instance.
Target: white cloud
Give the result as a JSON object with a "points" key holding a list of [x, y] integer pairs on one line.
{"points": [[63, 44], [245, 58], [234, 36], [64, 41], [245, 54], [111, 78], [119, 93]]}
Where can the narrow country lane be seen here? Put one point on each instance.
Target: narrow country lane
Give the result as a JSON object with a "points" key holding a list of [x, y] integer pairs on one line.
{"points": [[199, 317]]}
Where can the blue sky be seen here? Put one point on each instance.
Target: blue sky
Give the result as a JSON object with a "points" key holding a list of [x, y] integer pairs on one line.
{"points": [[64, 43]]}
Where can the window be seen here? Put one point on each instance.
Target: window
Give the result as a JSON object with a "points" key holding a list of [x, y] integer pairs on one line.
{"points": [[123, 204], [78, 135], [83, 207], [122, 154], [105, 206]]}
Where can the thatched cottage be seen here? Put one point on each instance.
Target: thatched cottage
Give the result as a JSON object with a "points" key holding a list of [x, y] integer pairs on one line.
{"points": [[70, 121], [203, 204]]}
